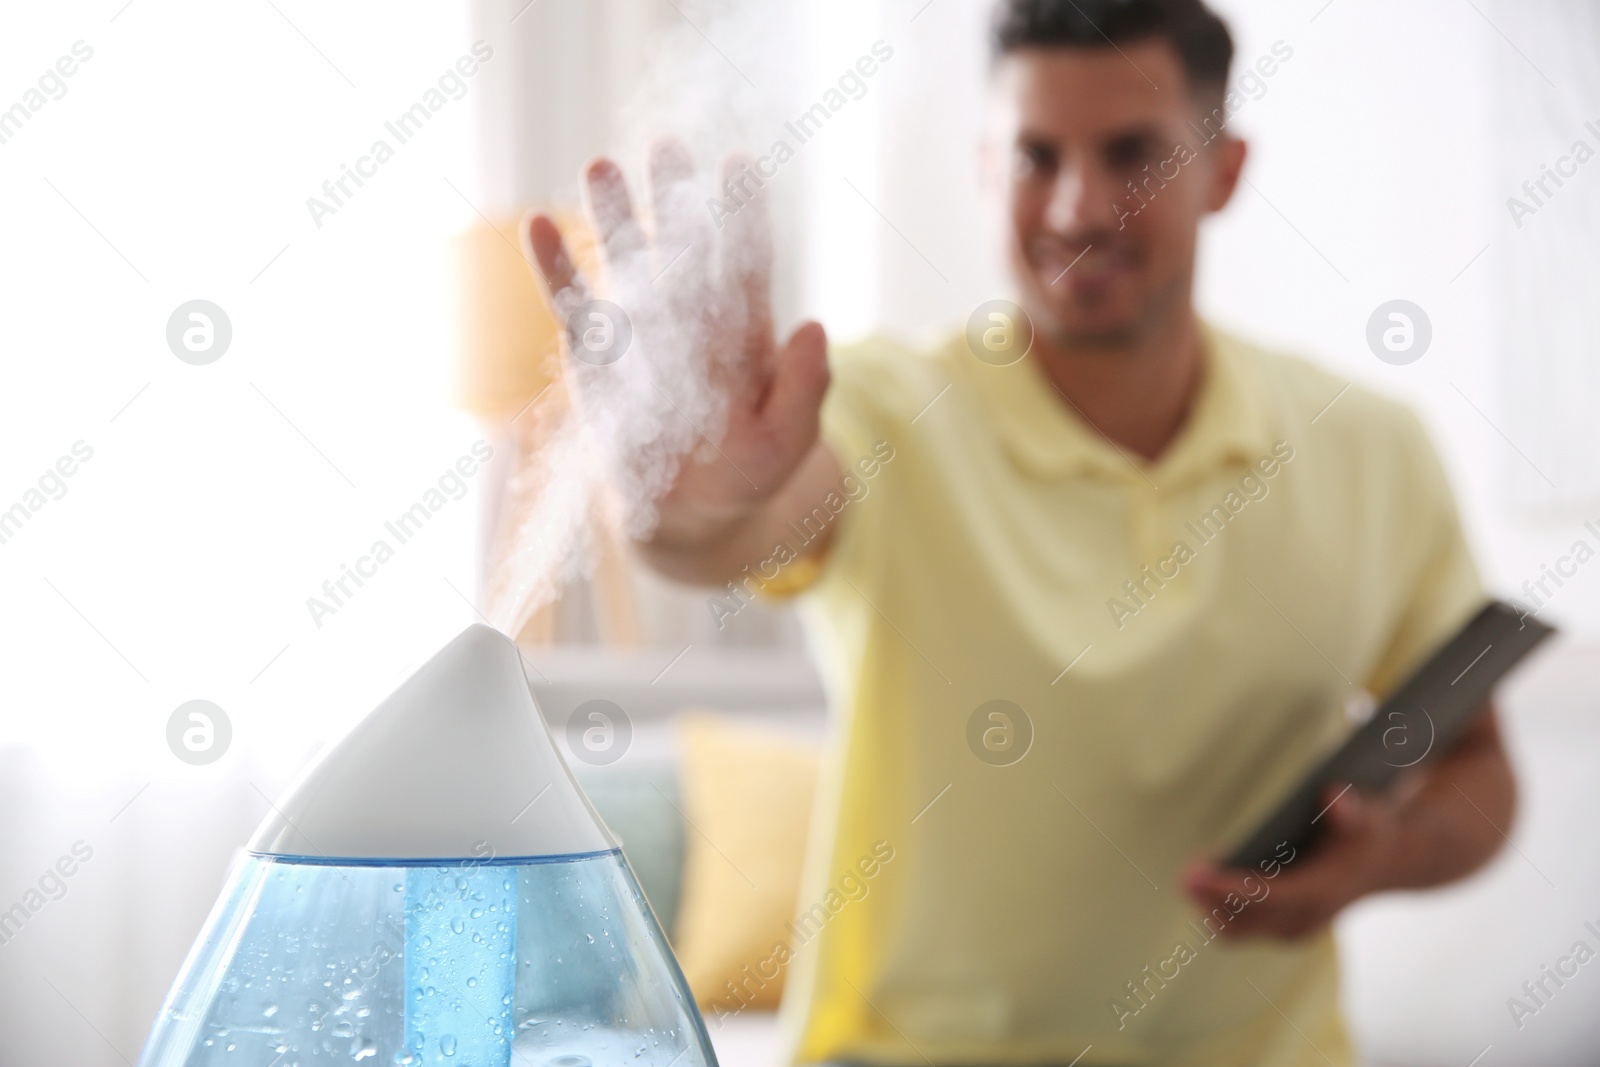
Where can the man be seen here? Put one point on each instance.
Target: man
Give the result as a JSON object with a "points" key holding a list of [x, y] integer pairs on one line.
{"points": [[1085, 614]]}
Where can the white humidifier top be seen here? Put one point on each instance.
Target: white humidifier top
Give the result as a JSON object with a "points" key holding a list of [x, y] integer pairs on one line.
{"points": [[456, 764]]}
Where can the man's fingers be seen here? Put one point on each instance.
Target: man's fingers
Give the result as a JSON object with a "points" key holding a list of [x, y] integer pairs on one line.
{"points": [[605, 195], [1347, 810], [682, 228], [1281, 921], [794, 400], [547, 252], [684, 246], [746, 250], [1238, 904], [1202, 878], [670, 164]]}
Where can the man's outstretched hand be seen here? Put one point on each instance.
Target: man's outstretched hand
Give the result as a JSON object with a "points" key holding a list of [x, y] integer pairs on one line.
{"points": [[702, 297]]}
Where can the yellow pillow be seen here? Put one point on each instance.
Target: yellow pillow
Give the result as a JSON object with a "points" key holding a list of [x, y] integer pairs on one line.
{"points": [[747, 793]]}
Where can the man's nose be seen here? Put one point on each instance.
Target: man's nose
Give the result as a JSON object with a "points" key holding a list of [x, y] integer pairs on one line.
{"points": [[1083, 198]]}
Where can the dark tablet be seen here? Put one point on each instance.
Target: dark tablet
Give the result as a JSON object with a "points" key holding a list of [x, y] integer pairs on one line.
{"points": [[1424, 717]]}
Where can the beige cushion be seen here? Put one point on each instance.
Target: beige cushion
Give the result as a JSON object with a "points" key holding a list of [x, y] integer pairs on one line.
{"points": [[747, 794]]}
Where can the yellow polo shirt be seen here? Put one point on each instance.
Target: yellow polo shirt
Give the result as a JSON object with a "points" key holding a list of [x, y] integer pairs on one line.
{"points": [[1059, 673]]}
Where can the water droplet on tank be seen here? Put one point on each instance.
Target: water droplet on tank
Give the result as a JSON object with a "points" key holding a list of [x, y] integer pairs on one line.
{"points": [[447, 1045]]}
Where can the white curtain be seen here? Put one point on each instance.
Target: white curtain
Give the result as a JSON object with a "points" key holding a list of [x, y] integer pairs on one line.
{"points": [[85, 966]]}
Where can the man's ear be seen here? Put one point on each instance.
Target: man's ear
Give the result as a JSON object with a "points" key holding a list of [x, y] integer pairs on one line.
{"points": [[1230, 157]]}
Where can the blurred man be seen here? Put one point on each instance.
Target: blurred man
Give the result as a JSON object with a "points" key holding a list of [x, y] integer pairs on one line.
{"points": [[1089, 594]]}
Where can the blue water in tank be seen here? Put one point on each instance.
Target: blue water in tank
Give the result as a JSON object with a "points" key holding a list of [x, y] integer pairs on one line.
{"points": [[547, 962]]}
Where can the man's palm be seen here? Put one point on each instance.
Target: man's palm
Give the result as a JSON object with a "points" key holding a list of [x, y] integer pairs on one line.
{"points": [[704, 294]]}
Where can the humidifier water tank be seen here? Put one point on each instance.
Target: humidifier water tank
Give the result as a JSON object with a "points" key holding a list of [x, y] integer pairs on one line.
{"points": [[436, 890]]}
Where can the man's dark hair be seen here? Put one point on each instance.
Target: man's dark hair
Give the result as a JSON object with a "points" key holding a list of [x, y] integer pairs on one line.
{"points": [[1199, 36]]}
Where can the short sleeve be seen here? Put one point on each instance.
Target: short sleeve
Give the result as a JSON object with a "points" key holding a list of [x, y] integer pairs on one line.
{"points": [[1446, 589]]}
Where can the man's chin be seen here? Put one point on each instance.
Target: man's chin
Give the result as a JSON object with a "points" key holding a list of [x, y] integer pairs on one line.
{"points": [[1101, 328], [1105, 337]]}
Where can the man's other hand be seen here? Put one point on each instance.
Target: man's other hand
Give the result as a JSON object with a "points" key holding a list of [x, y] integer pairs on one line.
{"points": [[1350, 860], [1440, 826]]}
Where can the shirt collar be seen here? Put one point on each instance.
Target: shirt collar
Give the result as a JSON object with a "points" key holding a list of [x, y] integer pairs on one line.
{"points": [[1046, 436]]}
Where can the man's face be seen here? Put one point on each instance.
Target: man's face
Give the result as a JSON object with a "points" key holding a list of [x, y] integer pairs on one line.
{"points": [[1102, 247]]}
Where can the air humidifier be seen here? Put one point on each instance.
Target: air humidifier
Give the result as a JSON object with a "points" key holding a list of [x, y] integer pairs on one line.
{"points": [[436, 889]]}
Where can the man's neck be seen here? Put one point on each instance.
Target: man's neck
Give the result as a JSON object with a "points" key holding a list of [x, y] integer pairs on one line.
{"points": [[1138, 395]]}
